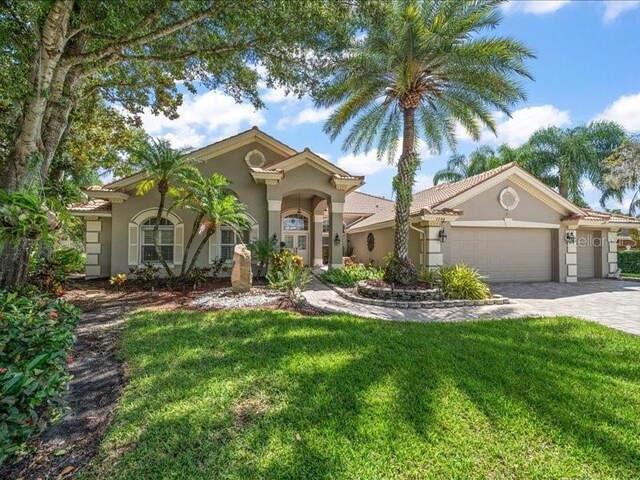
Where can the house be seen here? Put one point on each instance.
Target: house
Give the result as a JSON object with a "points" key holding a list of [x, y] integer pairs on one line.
{"points": [[297, 198], [504, 222]]}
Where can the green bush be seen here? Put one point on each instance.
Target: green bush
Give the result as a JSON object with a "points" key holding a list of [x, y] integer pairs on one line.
{"points": [[462, 282], [50, 274], [629, 261], [288, 274], [351, 274], [36, 337]]}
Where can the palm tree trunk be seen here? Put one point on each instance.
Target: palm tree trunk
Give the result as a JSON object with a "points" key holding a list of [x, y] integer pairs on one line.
{"points": [[401, 269], [198, 250], [156, 237], [194, 232]]}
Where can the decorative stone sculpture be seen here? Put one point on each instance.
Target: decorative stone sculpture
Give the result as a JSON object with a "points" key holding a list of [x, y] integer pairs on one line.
{"points": [[241, 275]]}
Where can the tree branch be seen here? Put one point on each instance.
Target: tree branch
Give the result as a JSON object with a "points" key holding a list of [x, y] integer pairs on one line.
{"points": [[117, 47]]}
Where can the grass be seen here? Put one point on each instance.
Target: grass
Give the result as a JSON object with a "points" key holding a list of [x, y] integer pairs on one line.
{"points": [[631, 275], [264, 394]]}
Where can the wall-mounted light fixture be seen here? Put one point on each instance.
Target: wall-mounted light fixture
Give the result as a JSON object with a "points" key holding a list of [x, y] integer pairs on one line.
{"points": [[442, 235], [336, 240], [570, 237], [274, 239]]}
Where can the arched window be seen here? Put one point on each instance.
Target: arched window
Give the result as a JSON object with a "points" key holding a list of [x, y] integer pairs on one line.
{"points": [[165, 241], [295, 221]]}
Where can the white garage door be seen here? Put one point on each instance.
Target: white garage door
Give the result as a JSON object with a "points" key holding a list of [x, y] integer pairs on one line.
{"points": [[586, 255], [504, 254]]}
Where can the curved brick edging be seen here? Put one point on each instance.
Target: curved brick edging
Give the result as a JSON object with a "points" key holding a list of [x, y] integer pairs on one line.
{"points": [[495, 300], [397, 294]]}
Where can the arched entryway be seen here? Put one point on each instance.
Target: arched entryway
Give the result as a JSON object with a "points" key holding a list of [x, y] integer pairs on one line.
{"points": [[296, 231]]}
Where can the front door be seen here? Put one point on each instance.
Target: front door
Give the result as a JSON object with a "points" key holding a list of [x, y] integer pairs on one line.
{"points": [[299, 244]]}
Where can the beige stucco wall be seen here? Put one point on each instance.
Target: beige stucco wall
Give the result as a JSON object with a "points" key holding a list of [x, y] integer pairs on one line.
{"points": [[382, 246], [232, 165], [486, 206]]}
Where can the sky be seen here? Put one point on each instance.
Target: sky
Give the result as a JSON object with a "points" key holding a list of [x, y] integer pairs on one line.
{"points": [[587, 68]]}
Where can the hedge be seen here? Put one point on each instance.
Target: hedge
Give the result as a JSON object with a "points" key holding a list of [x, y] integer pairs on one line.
{"points": [[629, 261], [36, 337]]}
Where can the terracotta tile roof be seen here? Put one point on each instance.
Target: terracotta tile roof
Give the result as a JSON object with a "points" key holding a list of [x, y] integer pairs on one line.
{"points": [[99, 188], [364, 203], [605, 217], [427, 200], [94, 205]]}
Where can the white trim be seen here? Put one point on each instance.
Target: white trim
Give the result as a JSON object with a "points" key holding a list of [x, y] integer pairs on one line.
{"points": [[514, 194], [94, 226], [148, 213], [93, 248], [255, 151], [91, 214], [91, 237], [113, 197], [504, 223], [92, 271]]}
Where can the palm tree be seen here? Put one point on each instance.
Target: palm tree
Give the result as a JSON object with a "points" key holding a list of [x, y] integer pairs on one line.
{"points": [[480, 160], [423, 68], [622, 174], [564, 158], [162, 165], [214, 205]]}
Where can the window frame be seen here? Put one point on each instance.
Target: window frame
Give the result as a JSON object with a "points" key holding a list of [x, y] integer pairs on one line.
{"points": [[147, 226]]}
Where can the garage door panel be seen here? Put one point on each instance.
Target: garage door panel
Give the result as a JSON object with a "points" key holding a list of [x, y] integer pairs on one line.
{"points": [[586, 255], [505, 254]]}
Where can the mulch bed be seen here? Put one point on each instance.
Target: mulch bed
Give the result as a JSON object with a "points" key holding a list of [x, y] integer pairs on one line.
{"points": [[98, 375]]}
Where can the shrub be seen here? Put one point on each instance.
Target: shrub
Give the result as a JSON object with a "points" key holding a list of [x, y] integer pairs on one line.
{"points": [[147, 273], [118, 281], [36, 336], [217, 266], [629, 261], [198, 275], [288, 273], [463, 283], [50, 274], [261, 252], [430, 276], [352, 273]]}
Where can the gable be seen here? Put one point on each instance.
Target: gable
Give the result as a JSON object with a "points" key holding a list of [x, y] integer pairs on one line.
{"points": [[486, 206]]}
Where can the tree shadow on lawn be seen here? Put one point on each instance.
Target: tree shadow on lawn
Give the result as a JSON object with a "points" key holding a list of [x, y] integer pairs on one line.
{"points": [[269, 394]]}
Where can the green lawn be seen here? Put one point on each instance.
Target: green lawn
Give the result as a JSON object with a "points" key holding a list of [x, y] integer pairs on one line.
{"points": [[263, 394], [631, 275]]}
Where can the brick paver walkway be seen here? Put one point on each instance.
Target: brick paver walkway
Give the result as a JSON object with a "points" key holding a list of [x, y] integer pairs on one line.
{"points": [[612, 303]]}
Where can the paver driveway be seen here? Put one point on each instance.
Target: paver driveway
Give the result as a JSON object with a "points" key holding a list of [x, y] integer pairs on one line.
{"points": [[609, 302]]}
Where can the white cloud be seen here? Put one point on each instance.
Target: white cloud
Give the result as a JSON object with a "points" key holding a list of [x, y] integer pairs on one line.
{"points": [[625, 111], [423, 182], [535, 7], [203, 119], [363, 163], [523, 123], [277, 95], [306, 115], [326, 156], [614, 8]]}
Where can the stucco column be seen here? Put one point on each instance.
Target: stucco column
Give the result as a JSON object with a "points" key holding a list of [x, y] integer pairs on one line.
{"points": [[336, 210], [609, 252], [433, 255], [317, 239], [93, 248], [274, 207], [571, 257]]}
